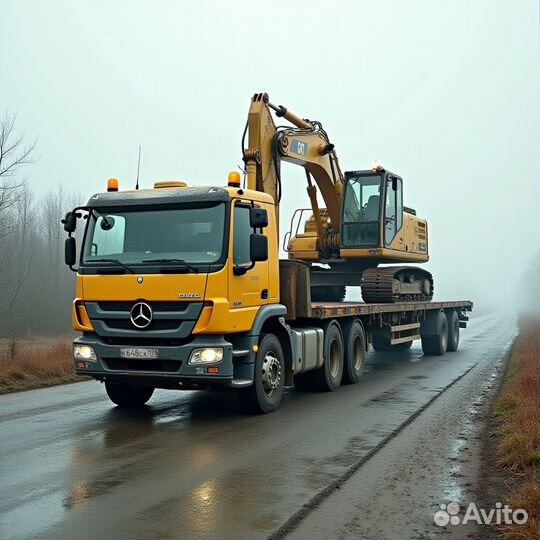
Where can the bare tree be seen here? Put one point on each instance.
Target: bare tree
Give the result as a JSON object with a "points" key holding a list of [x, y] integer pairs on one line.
{"points": [[14, 155]]}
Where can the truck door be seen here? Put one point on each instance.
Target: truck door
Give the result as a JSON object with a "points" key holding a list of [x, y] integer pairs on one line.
{"points": [[248, 291]]}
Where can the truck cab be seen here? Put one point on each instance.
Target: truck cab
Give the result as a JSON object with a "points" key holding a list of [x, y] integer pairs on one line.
{"points": [[172, 284]]}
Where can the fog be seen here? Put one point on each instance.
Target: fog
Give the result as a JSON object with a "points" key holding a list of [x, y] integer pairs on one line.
{"points": [[446, 94]]}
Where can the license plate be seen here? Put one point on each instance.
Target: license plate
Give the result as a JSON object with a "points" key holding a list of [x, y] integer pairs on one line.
{"points": [[139, 353]]}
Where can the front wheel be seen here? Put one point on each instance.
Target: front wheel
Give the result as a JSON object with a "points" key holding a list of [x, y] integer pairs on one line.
{"points": [[128, 396], [264, 395]]}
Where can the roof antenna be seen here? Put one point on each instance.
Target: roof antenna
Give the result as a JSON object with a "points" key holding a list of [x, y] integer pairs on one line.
{"points": [[138, 168]]}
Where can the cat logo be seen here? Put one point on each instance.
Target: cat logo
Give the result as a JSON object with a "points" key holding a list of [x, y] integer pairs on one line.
{"points": [[299, 147]]}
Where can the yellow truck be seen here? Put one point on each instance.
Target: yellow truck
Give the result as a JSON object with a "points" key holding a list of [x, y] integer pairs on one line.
{"points": [[182, 287]]}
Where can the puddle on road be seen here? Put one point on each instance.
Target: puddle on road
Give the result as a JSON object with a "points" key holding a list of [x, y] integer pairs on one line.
{"points": [[33, 517]]}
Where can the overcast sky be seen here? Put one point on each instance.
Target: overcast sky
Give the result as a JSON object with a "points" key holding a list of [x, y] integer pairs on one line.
{"points": [[446, 94]]}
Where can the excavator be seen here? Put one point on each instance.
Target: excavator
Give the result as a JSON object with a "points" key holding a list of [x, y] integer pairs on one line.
{"points": [[364, 224]]}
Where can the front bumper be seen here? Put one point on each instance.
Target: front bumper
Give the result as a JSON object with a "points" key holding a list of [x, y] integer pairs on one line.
{"points": [[171, 368]]}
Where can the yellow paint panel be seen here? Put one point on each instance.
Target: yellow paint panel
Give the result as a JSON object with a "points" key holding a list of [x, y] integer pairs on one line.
{"points": [[166, 287]]}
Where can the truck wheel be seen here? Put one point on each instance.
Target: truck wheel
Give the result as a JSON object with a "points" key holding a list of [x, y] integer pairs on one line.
{"points": [[436, 344], [453, 331], [264, 395], [355, 351], [328, 377], [127, 395]]}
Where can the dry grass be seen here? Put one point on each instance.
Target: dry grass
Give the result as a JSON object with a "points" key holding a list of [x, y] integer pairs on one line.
{"points": [[33, 363], [518, 412]]}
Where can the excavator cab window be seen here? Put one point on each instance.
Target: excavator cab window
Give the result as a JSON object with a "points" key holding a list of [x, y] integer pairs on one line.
{"points": [[361, 210], [393, 209]]}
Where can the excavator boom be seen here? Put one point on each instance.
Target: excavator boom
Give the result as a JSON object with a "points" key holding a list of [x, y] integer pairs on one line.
{"points": [[306, 144]]}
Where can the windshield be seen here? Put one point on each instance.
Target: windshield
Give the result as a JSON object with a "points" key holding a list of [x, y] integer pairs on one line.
{"points": [[361, 210], [191, 234]]}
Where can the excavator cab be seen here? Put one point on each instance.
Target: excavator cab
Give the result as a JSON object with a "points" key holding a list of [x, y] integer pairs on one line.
{"points": [[372, 209]]}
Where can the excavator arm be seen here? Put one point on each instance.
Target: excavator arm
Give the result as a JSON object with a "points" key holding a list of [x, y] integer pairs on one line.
{"points": [[305, 143]]}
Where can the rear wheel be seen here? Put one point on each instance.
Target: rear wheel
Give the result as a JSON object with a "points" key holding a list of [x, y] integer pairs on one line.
{"points": [[436, 344], [355, 351], [264, 395], [328, 377], [453, 331], [127, 395]]}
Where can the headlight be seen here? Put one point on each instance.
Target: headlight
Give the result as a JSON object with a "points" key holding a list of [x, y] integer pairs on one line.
{"points": [[84, 352], [210, 355]]}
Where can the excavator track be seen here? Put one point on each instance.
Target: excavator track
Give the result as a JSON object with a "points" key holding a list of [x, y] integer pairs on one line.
{"points": [[390, 284]]}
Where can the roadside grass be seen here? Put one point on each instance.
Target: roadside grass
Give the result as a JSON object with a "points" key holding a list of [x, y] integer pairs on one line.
{"points": [[518, 419], [34, 363]]}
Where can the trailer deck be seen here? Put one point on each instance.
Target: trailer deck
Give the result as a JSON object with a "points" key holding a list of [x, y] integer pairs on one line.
{"points": [[328, 310]]}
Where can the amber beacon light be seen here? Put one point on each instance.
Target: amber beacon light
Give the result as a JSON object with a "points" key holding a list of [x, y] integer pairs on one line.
{"points": [[112, 184], [234, 179]]}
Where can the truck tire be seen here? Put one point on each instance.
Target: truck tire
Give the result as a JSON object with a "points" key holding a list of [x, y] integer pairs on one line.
{"points": [[436, 344], [355, 351], [264, 395], [128, 396], [453, 331], [328, 377]]}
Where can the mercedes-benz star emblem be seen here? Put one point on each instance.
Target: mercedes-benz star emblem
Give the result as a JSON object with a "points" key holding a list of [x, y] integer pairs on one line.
{"points": [[141, 315]]}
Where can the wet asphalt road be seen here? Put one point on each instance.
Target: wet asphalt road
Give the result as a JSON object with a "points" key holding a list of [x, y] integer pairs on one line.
{"points": [[191, 465]]}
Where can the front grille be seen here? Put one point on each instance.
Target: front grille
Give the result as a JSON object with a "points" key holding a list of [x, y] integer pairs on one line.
{"points": [[157, 307], [173, 320], [130, 364], [156, 324]]}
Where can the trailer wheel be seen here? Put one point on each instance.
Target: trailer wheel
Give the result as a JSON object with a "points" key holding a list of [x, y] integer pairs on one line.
{"points": [[436, 344], [453, 331], [355, 351], [264, 395], [127, 395], [328, 377]]}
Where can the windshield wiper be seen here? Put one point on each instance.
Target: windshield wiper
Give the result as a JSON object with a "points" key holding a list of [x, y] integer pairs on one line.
{"points": [[179, 261], [115, 261]]}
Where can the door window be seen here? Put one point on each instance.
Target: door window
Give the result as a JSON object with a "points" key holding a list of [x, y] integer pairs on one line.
{"points": [[242, 231], [393, 210]]}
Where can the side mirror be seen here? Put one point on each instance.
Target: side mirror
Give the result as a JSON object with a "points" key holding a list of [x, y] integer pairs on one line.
{"points": [[394, 183], [258, 247], [70, 249], [258, 218], [70, 222]]}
